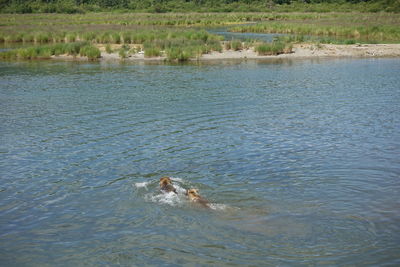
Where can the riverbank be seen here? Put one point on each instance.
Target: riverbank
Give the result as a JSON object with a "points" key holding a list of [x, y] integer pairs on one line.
{"points": [[298, 51]]}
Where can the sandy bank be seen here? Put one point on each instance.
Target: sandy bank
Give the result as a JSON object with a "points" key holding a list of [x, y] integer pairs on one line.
{"points": [[299, 51]]}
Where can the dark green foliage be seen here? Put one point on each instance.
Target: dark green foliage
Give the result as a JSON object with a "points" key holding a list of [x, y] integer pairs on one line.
{"points": [[162, 6]]}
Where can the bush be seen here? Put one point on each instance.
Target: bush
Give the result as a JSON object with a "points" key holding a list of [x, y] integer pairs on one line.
{"points": [[90, 51], [152, 52], [236, 45], [72, 49], [43, 37], [122, 53], [227, 45], [109, 49], [349, 41], [179, 54], [274, 48]]}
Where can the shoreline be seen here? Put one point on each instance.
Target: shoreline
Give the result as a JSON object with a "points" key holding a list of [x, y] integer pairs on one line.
{"points": [[304, 50]]}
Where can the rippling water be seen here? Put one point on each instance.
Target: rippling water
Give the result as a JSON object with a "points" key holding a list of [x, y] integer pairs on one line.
{"points": [[300, 160]]}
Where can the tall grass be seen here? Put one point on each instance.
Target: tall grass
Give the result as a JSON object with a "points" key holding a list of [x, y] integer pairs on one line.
{"points": [[381, 33], [46, 51], [90, 51], [179, 54], [274, 48], [152, 52]]}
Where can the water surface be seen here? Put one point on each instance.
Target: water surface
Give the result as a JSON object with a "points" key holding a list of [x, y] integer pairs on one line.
{"points": [[300, 160]]}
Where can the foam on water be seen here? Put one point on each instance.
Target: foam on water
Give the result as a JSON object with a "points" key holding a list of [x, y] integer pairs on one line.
{"points": [[169, 198], [177, 179], [217, 206], [141, 185]]}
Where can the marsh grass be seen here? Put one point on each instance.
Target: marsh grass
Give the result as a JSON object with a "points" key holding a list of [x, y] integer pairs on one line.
{"points": [[377, 33], [152, 52], [179, 54], [236, 45], [90, 51], [108, 49], [147, 19], [46, 51], [274, 48]]}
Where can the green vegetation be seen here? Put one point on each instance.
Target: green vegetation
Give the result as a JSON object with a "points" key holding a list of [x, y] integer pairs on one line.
{"points": [[82, 6], [108, 49], [375, 33], [179, 36], [90, 52], [336, 28], [179, 54], [152, 52], [46, 51], [274, 48], [236, 45]]}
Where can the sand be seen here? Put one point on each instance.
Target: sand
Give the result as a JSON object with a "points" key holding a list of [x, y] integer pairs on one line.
{"points": [[299, 51]]}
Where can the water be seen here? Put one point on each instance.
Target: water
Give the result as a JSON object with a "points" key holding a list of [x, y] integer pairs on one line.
{"points": [[300, 160], [244, 36]]}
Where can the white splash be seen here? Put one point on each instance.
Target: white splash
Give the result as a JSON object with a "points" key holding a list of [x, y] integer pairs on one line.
{"points": [[169, 198], [164, 198], [142, 185], [177, 179], [216, 206]]}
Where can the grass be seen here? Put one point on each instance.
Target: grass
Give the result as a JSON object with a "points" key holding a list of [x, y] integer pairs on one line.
{"points": [[377, 28], [152, 52], [108, 49], [179, 54], [274, 48], [173, 34], [90, 51], [127, 20], [46, 51]]}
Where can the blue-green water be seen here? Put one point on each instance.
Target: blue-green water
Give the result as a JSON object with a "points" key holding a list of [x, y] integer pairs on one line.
{"points": [[301, 160]]}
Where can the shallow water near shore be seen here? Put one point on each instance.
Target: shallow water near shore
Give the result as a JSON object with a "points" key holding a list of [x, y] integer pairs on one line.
{"points": [[300, 160]]}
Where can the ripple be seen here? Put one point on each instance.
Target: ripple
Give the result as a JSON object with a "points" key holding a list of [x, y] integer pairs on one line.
{"points": [[299, 161]]}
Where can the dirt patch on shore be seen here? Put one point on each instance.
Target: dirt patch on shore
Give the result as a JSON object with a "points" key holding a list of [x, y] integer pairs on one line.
{"points": [[299, 51]]}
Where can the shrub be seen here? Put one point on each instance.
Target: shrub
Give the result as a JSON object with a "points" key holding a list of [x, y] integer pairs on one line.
{"points": [[152, 52], [90, 51], [236, 45], [88, 36], [43, 37], [122, 53], [349, 41], [70, 37], [228, 45], [109, 49], [115, 38], [126, 38], [72, 49], [274, 48], [178, 54]]}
